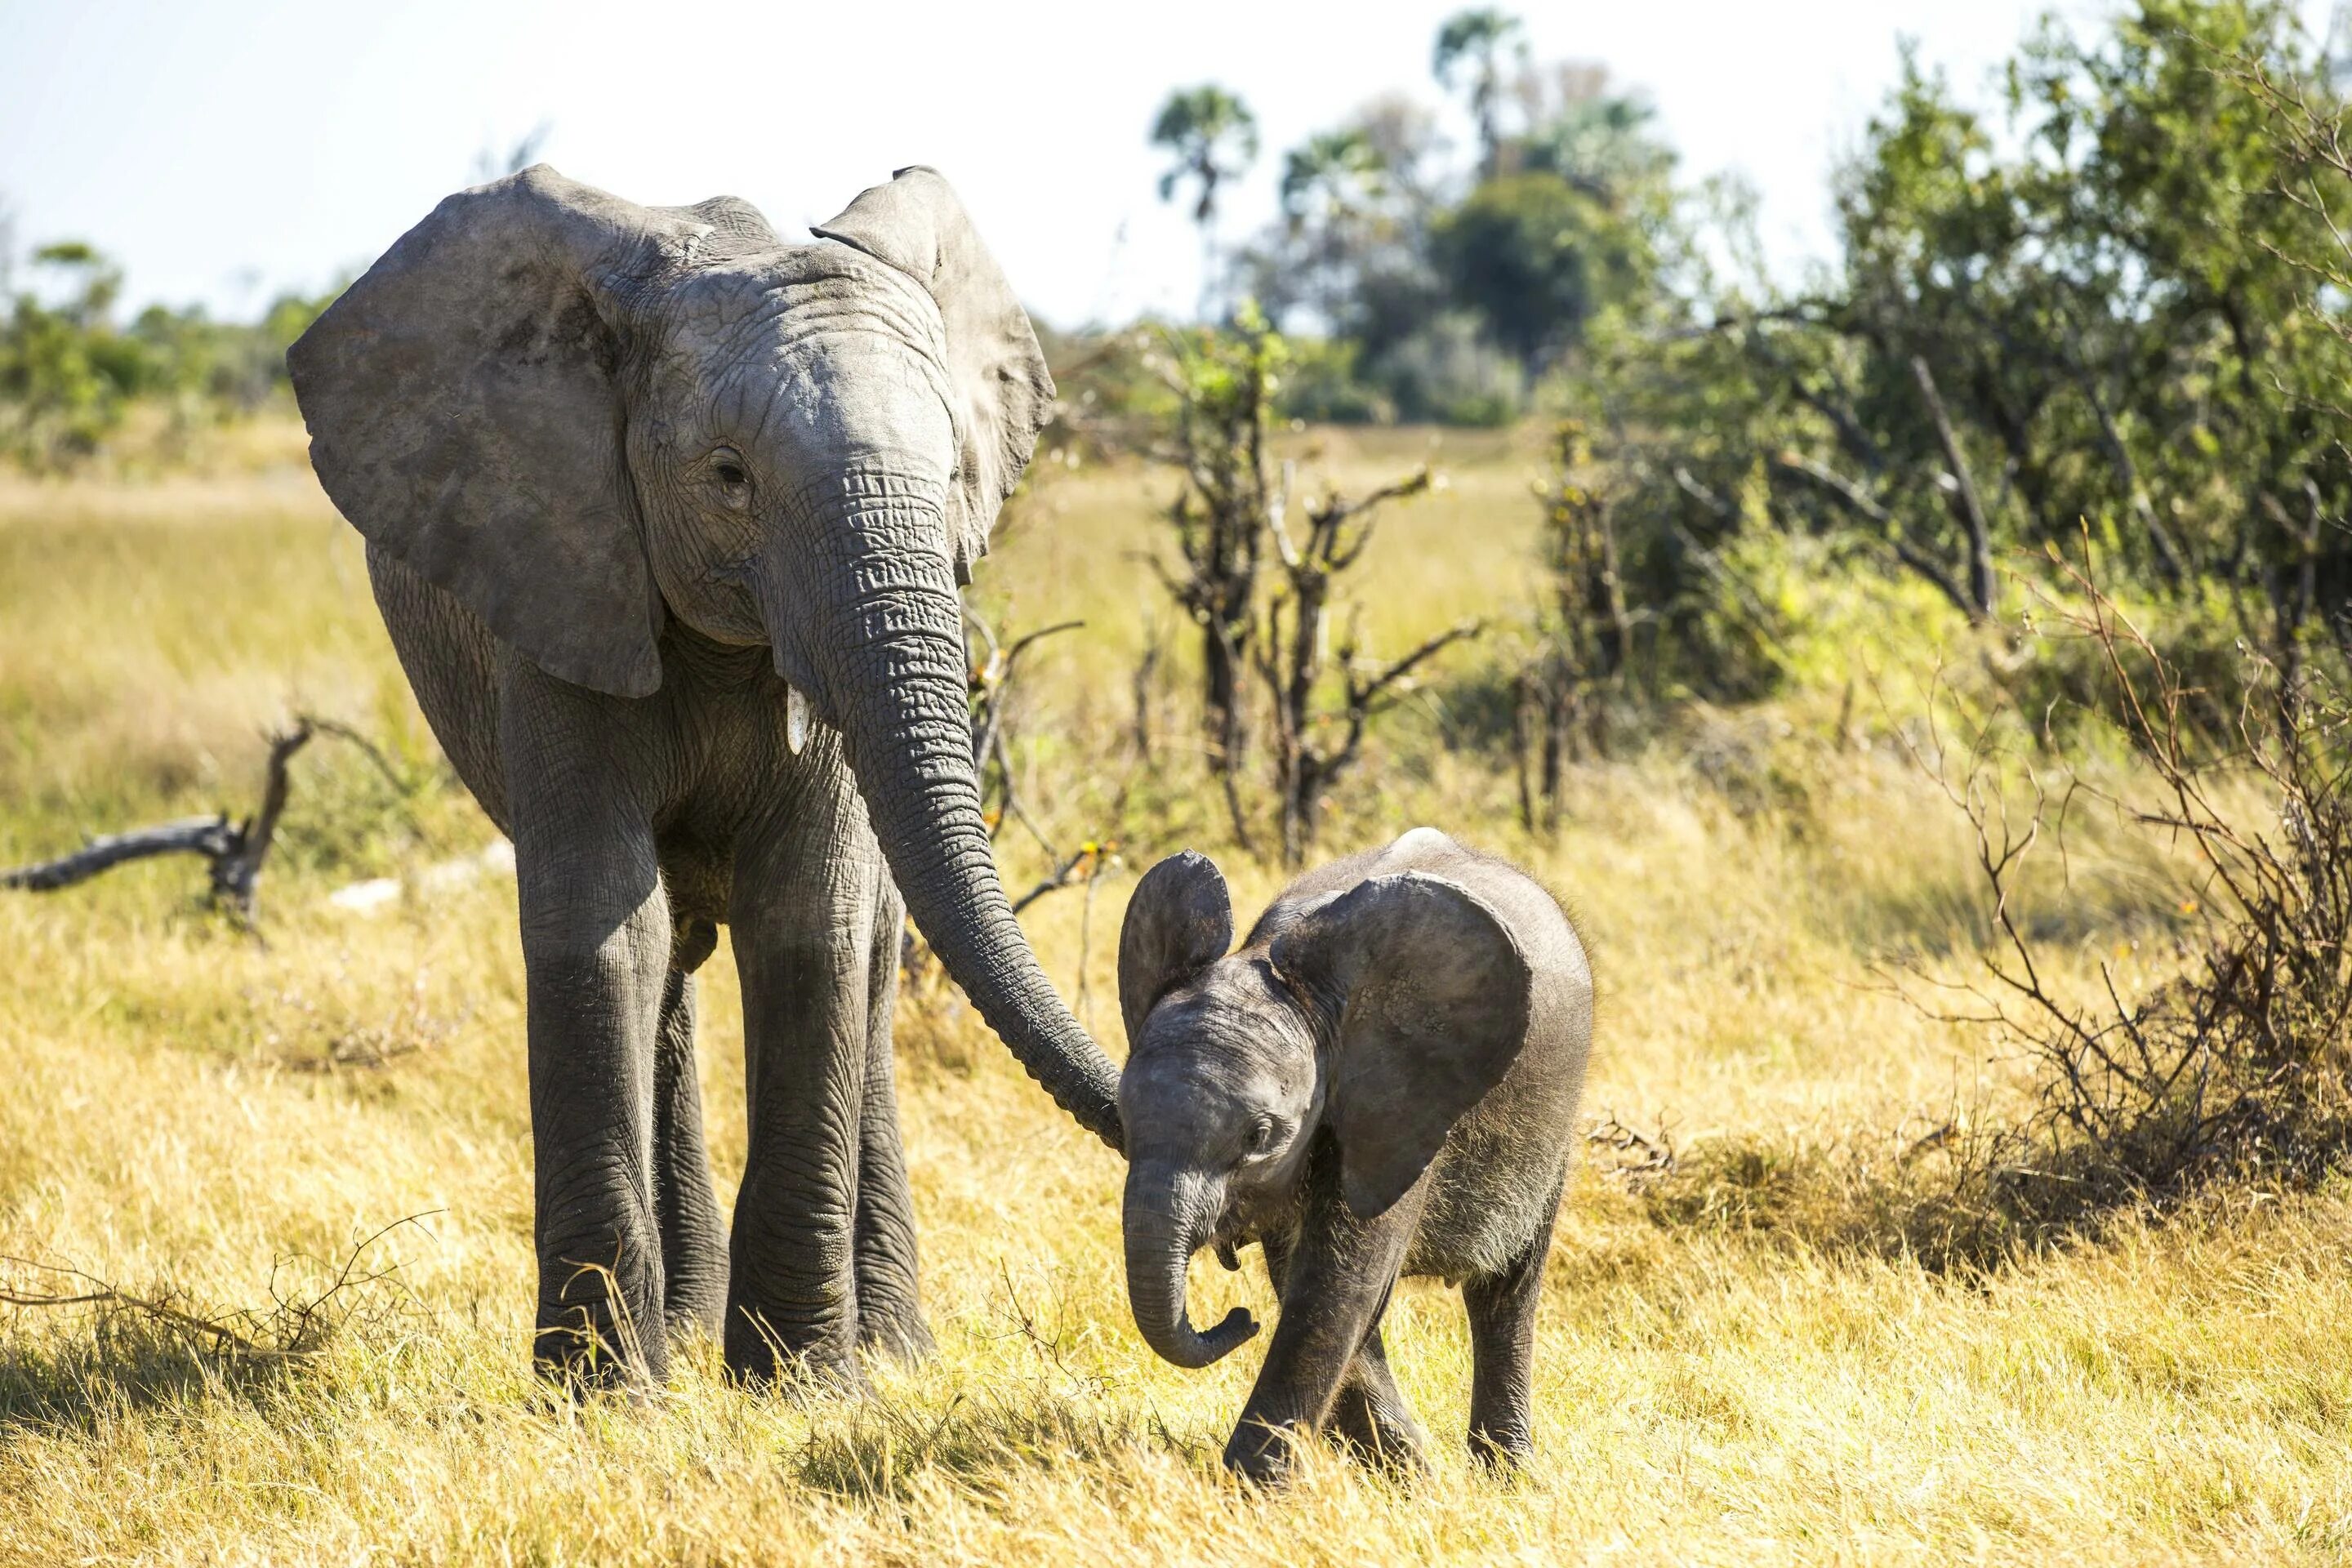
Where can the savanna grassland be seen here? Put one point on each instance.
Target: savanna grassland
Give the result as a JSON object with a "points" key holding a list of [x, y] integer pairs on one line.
{"points": [[1738, 1361]]}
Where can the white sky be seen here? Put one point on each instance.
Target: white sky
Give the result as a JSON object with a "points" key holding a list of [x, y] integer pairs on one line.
{"points": [[223, 150]]}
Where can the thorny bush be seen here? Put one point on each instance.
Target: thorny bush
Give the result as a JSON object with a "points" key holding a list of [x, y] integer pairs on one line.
{"points": [[2233, 1074]]}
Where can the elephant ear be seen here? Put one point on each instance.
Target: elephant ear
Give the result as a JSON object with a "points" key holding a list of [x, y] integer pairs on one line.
{"points": [[1431, 994], [464, 416], [1001, 388], [1179, 922]]}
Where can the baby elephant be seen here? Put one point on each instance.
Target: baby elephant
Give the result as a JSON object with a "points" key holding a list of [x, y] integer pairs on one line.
{"points": [[1382, 1081]]}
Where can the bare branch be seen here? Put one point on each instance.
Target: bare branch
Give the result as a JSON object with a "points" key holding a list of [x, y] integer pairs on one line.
{"points": [[1982, 585]]}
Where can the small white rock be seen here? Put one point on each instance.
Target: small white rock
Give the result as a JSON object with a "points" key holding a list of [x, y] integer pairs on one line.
{"points": [[368, 898]]}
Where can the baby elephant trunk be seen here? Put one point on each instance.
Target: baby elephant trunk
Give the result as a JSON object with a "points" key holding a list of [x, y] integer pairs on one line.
{"points": [[1168, 1215]]}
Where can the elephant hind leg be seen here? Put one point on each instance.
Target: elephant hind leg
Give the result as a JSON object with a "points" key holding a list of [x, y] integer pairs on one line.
{"points": [[1373, 1420], [890, 1303], [1502, 1311], [686, 1207]]}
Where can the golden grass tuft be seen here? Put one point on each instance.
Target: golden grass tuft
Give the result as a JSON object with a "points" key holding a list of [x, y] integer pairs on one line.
{"points": [[175, 1116]]}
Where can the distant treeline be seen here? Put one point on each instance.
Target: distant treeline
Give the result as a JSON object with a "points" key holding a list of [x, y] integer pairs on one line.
{"points": [[2105, 311], [70, 373], [1424, 281]]}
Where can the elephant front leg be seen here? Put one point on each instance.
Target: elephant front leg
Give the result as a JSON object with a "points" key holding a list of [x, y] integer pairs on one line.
{"points": [[1371, 1417], [1335, 1282], [595, 954], [890, 1305], [802, 925]]}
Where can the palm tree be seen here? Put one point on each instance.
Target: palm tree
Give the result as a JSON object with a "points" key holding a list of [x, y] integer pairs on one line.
{"points": [[1478, 39], [1329, 186], [1336, 174], [1214, 137]]}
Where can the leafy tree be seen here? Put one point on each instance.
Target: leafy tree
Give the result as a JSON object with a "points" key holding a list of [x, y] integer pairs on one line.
{"points": [[70, 374], [1536, 258], [2090, 306], [1332, 188], [64, 375], [1333, 177], [1604, 142]]}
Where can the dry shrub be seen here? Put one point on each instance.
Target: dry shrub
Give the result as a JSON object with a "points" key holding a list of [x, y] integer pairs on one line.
{"points": [[2233, 1072]]}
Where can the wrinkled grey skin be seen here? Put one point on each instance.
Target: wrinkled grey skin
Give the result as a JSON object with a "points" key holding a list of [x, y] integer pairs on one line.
{"points": [[1382, 1081], [666, 519]]}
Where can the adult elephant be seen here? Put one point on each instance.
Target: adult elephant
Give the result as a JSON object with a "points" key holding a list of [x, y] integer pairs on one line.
{"points": [[666, 519]]}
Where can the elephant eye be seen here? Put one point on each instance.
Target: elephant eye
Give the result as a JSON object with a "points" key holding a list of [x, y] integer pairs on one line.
{"points": [[728, 469], [1263, 1134]]}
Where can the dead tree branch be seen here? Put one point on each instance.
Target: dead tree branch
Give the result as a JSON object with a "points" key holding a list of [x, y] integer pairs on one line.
{"points": [[234, 853], [295, 1326], [990, 670], [1290, 652], [1863, 504], [1982, 585]]}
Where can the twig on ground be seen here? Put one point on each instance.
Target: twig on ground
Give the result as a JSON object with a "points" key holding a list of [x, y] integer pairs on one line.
{"points": [[294, 1328]]}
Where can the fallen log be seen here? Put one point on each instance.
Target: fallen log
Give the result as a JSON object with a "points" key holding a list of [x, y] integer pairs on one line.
{"points": [[235, 853]]}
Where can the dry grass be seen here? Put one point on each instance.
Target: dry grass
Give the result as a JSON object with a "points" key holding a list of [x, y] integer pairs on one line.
{"points": [[171, 1119]]}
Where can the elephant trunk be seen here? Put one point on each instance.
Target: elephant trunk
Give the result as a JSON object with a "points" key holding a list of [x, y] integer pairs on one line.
{"points": [[1168, 1214], [881, 631]]}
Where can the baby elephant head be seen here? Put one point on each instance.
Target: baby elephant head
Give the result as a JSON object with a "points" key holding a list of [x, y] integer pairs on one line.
{"points": [[1380, 1016]]}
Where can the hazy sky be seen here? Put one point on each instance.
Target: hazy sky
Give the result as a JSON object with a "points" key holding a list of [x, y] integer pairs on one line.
{"points": [[223, 150]]}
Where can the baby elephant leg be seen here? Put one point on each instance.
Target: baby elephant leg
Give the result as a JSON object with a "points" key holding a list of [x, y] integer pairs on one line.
{"points": [[1336, 1285], [1502, 1310], [1372, 1418]]}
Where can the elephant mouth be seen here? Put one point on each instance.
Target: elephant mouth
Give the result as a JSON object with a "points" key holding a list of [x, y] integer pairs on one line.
{"points": [[1227, 1241]]}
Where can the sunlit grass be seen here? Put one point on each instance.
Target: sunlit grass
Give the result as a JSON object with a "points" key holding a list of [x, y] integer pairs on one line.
{"points": [[171, 1120]]}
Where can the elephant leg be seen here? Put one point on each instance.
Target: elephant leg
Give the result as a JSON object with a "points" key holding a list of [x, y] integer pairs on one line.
{"points": [[693, 1233], [1335, 1281], [890, 1305], [596, 951], [1372, 1417], [1502, 1311], [803, 921]]}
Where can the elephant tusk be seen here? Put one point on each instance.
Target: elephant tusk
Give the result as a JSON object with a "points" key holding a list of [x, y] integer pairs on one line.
{"points": [[796, 720]]}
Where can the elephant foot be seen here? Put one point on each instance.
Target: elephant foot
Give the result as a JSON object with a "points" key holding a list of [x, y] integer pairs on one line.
{"points": [[759, 1355], [1384, 1440], [598, 1330], [1501, 1452], [1261, 1455], [583, 1357], [899, 1334]]}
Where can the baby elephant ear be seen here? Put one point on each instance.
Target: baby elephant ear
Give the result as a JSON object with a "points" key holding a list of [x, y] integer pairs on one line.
{"points": [[1179, 922], [1431, 994]]}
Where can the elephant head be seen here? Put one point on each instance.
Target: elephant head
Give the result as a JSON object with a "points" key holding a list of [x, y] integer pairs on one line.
{"points": [[1377, 1016], [582, 418]]}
